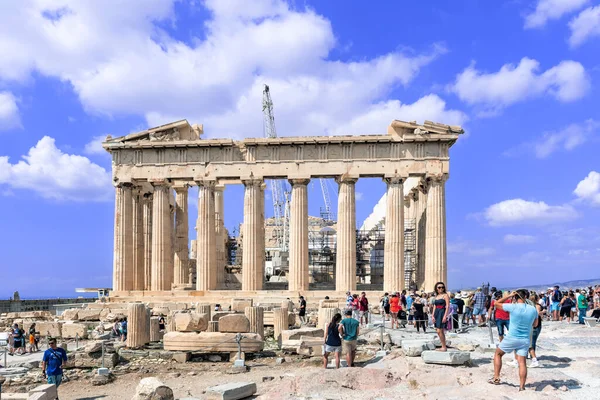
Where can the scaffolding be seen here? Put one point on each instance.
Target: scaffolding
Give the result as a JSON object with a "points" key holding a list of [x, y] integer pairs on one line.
{"points": [[369, 255], [322, 257], [410, 254]]}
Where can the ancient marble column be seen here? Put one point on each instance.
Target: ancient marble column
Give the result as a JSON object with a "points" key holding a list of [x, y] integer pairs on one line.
{"points": [[155, 334], [123, 247], [393, 254], [206, 252], [280, 323], [138, 241], [421, 217], [253, 245], [220, 233], [298, 256], [260, 276], [181, 259], [256, 316], [435, 235], [138, 325], [204, 309], [325, 316], [162, 226], [147, 215], [345, 268]]}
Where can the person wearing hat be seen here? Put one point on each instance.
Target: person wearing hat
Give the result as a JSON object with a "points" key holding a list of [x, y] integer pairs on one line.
{"points": [[479, 305], [555, 302], [349, 330], [52, 363]]}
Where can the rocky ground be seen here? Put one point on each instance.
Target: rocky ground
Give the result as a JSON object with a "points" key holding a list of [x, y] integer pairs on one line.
{"points": [[569, 355]]}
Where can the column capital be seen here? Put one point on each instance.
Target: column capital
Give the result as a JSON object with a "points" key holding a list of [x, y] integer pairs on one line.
{"points": [[219, 187], [437, 178], [394, 180], [299, 181], [159, 182], [181, 186], [252, 181], [124, 185], [346, 179], [209, 183]]}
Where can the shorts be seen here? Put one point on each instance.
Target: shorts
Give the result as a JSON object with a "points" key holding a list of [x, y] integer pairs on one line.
{"points": [[386, 309], [55, 380], [468, 312], [510, 344], [31, 339], [438, 317], [349, 346], [17, 343], [478, 311], [502, 324], [332, 349], [302, 313], [565, 311], [534, 336], [362, 313], [555, 306]]}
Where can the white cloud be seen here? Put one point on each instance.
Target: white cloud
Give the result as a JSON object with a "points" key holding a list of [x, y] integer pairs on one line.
{"points": [[55, 175], [358, 196], [9, 111], [217, 80], [567, 81], [519, 211], [94, 146], [589, 188], [469, 248], [585, 26], [546, 10], [519, 239], [578, 252]]}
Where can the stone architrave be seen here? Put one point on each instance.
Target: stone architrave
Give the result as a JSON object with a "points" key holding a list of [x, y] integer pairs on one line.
{"points": [[123, 248], [256, 316], [138, 325], [253, 245], [435, 235], [206, 252], [220, 234], [181, 261], [138, 240], [393, 258], [162, 226], [280, 323], [147, 215], [345, 268], [298, 255]]}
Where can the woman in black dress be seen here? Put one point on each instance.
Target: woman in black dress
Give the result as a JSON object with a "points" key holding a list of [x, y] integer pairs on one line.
{"points": [[419, 314], [440, 315]]}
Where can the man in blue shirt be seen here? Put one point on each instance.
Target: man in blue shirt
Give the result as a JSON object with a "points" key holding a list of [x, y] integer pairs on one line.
{"points": [[349, 330], [523, 318], [52, 363]]}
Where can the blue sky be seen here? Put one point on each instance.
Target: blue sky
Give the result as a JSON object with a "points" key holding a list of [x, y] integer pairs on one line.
{"points": [[522, 77]]}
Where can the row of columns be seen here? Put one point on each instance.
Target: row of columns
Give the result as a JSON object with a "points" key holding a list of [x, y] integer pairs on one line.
{"points": [[151, 247]]}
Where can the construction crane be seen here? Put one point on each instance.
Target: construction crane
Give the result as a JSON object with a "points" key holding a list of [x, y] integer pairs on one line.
{"points": [[280, 197], [325, 211]]}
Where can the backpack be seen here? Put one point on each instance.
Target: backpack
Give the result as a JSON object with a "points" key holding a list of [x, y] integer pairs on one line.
{"points": [[556, 296]]}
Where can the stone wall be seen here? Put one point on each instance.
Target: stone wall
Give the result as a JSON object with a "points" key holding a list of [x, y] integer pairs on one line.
{"points": [[7, 306]]}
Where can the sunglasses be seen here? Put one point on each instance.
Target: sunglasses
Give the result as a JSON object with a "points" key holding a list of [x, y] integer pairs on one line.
{"points": [[441, 287]]}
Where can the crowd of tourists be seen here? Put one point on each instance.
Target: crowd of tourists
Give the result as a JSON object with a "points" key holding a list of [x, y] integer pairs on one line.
{"points": [[21, 342]]}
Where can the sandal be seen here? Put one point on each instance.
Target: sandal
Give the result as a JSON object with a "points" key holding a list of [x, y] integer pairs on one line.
{"points": [[494, 381]]}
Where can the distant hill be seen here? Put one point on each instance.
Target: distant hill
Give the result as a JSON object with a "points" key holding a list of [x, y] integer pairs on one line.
{"points": [[542, 287]]}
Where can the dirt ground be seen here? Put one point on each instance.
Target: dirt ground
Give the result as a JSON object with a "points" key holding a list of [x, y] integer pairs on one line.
{"points": [[569, 354]]}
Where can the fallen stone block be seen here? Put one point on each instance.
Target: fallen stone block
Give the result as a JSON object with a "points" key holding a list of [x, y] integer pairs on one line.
{"points": [[84, 360], [152, 389], [446, 357], [219, 314], [416, 348], [190, 321], [46, 391], [88, 315], [297, 334], [239, 305], [234, 323], [71, 314], [71, 330], [52, 329], [212, 342], [231, 391]]}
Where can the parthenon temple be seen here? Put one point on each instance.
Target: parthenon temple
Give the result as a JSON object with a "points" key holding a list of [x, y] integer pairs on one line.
{"points": [[153, 170]]}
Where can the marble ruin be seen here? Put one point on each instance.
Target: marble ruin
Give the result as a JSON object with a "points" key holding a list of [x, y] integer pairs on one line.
{"points": [[153, 169]]}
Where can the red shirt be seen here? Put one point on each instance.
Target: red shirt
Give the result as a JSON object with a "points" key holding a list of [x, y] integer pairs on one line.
{"points": [[363, 304], [395, 304], [501, 314]]}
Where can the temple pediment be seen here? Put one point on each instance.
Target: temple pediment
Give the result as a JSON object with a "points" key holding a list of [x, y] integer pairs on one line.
{"points": [[174, 131], [401, 128]]}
